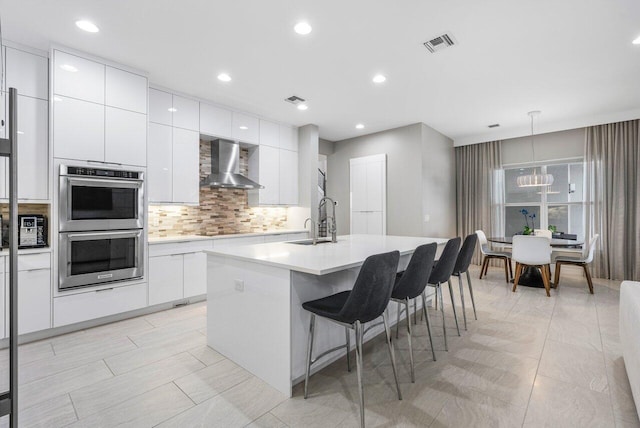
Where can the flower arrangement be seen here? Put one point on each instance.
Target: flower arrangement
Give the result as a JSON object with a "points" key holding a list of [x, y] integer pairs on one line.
{"points": [[528, 230]]}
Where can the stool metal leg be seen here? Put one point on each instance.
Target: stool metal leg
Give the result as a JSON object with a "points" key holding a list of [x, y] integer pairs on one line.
{"points": [[398, 320], [473, 303], [453, 305], [348, 336], [415, 312], [426, 316], [413, 376], [444, 327], [359, 334], [312, 324], [391, 353], [464, 311]]}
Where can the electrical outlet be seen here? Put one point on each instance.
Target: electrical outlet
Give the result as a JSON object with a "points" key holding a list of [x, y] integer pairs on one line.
{"points": [[239, 285]]}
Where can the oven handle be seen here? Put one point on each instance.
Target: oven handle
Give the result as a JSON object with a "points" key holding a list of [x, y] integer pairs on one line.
{"points": [[100, 182], [91, 235]]}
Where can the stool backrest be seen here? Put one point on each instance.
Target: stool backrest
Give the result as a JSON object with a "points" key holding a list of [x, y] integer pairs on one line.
{"points": [[414, 279], [466, 254], [372, 290], [543, 232], [444, 268], [531, 250], [484, 244]]}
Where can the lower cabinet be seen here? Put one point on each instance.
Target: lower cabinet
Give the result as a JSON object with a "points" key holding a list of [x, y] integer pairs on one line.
{"points": [[177, 276], [34, 300], [195, 274]]}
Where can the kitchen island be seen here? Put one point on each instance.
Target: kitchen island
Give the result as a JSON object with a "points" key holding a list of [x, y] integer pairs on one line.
{"points": [[255, 295]]}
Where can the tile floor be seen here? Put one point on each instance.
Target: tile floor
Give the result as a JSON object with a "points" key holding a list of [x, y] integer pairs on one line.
{"points": [[528, 361]]}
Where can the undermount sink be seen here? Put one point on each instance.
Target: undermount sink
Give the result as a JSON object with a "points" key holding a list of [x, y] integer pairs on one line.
{"points": [[309, 242]]}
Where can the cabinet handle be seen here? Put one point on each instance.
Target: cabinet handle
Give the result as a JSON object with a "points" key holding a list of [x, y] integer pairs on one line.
{"points": [[104, 289], [103, 162]]}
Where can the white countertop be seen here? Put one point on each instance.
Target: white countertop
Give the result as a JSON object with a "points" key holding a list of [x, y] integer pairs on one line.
{"points": [[350, 251], [187, 238]]}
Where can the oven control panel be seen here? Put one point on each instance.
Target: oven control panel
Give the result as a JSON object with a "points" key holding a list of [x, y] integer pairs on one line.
{"points": [[98, 172]]}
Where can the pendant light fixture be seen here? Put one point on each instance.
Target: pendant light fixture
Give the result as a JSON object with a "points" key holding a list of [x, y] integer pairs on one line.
{"points": [[535, 179]]}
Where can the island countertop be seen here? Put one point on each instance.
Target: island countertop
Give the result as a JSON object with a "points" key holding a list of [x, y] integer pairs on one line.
{"points": [[350, 251]]}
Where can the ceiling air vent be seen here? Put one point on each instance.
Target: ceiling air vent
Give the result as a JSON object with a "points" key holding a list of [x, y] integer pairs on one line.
{"points": [[438, 43], [294, 99]]}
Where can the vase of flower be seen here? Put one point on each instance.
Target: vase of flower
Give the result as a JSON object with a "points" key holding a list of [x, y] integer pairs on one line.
{"points": [[528, 230]]}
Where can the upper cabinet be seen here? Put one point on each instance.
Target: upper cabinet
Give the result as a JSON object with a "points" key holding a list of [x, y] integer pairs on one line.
{"points": [[289, 138], [269, 133], [246, 128], [160, 105], [173, 110], [100, 111], [215, 121], [126, 90], [28, 73]]}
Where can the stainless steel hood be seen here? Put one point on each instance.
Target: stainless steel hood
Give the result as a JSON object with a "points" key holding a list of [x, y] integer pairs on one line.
{"points": [[225, 167]]}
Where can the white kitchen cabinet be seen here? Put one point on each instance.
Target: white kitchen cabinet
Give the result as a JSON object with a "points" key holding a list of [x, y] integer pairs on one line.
{"points": [[34, 300], [33, 148], [245, 128], [288, 187], [28, 73], [268, 176], [269, 133], [96, 304], [367, 186], [160, 105], [289, 138], [186, 114], [4, 313], [165, 279], [358, 187], [195, 274], [78, 77], [3, 115], [186, 164], [234, 242], [78, 129], [125, 90], [125, 137], [215, 121], [160, 163]]}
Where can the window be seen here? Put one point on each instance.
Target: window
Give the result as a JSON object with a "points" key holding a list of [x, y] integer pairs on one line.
{"points": [[559, 205]]}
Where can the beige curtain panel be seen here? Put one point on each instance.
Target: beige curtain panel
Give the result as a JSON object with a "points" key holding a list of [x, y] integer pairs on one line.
{"points": [[612, 157], [479, 193]]}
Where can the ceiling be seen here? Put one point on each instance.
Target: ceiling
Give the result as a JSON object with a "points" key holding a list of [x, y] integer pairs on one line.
{"points": [[572, 59]]}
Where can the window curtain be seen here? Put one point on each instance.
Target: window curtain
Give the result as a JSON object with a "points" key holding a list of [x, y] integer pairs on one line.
{"points": [[479, 191], [612, 157]]}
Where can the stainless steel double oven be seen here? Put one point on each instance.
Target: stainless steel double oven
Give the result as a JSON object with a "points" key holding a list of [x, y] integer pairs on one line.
{"points": [[101, 226]]}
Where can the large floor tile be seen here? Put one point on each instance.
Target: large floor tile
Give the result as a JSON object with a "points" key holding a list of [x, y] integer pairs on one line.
{"points": [[212, 380], [55, 412], [624, 407]]}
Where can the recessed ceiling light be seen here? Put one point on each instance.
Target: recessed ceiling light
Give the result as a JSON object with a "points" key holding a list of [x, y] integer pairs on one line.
{"points": [[244, 128], [302, 106], [359, 126], [636, 41], [69, 68], [87, 26], [379, 78], [172, 110], [302, 28], [20, 132], [224, 77]]}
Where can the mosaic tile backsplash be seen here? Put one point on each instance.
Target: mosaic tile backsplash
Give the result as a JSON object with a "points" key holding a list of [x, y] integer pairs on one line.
{"points": [[221, 211]]}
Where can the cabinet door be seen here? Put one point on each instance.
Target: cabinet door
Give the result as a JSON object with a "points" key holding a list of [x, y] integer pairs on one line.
{"points": [[4, 162], [125, 137], [160, 107], [358, 222], [374, 223], [269, 133], [195, 274], [374, 186], [77, 77], [34, 300], [33, 148], [269, 175], [165, 279], [186, 166], [28, 73], [358, 186], [186, 113], [288, 177], [245, 128], [215, 121], [160, 167], [126, 90], [78, 129], [289, 138]]}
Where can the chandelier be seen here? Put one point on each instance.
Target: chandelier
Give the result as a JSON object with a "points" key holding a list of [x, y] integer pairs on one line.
{"points": [[535, 179]]}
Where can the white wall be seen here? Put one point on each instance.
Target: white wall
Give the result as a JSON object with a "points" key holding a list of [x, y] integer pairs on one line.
{"points": [[420, 168]]}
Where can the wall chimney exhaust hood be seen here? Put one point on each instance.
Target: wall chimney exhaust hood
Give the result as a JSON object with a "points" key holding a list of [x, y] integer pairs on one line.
{"points": [[225, 167]]}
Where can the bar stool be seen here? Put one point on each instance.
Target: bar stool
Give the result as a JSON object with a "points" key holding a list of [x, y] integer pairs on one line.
{"points": [[351, 309], [410, 285], [462, 266], [442, 272]]}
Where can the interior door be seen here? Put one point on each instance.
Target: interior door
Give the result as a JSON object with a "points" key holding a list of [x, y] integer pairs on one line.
{"points": [[368, 192]]}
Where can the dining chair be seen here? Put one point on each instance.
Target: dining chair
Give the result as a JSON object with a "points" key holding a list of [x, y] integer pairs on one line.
{"points": [[491, 254], [366, 302], [584, 261], [543, 232], [535, 252]]}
